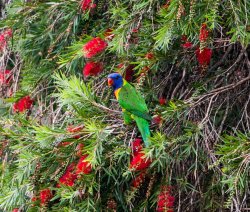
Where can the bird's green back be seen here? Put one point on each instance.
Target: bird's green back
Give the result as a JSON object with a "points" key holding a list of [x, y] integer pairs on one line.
{"points": [[132, 101]]}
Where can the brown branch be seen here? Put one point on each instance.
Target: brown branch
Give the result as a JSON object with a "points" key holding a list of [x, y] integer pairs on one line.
{"points": [[221, 61], [179, 83], [218, 91], [106, 109]]}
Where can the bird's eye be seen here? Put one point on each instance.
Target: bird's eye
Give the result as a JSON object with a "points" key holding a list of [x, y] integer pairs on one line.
{"points": [[117, 77]]}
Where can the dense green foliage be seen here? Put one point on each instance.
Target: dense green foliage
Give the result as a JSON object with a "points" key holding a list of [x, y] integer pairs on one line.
{"points": [[201, 147]]}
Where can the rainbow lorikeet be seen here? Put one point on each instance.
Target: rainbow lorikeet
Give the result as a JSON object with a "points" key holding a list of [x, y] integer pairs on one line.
{"points": [[132, 103]]}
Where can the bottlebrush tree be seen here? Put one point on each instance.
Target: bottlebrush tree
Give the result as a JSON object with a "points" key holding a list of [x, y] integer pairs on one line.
{"points": [[64, 144]]}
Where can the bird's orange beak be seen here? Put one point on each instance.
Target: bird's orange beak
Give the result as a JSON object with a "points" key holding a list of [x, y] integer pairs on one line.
{"points": [[110, 82]]}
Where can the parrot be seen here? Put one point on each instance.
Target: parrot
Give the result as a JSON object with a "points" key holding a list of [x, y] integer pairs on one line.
{"points": [[133, 105]]}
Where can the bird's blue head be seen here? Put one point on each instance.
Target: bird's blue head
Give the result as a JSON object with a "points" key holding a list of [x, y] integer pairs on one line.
{"points": [[115, 80]]}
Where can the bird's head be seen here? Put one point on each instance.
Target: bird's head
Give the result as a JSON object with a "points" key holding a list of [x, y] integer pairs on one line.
{"points": [[115, 80]]}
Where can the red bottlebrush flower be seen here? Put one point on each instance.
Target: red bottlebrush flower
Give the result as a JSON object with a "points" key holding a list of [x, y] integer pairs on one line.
{"points": [[111, 205], [108, 34], [166, 5], [129, 73], [162, 101], [3, 42], [69, 177], [79, 149], [15, 210], [139, 180], [145, 69], [187, 45], [5, 77], [204, 56], [45, 196], [83, 167], [94, 47], [149, 56], [121, 65], [157, 119], [184, 38], [165, 200], [64, 144], [139, 162], [92, 69], [135, 30], [203, 33], [73, 129], [136, 146], [87, 5], [4, 38], [23, 104], [34, 199], [8, 33]]}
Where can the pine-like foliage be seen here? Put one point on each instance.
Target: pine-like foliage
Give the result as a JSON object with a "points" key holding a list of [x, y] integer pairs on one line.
{"points": [[63, 143]]}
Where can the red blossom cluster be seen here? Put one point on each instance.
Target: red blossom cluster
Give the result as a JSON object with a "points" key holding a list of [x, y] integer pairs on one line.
{"points": [[203, 33], [75, 170], [92, 69], [165, 200], [138, 161], [129, 73], [183, 38], [4, 38], [75, 129], [87, 5], [204, 56], [69, 177], [136, 146], [83, 166], [15, 210], [166, 5], [145, 69], [79, 149], [121, 65], [186, 44], [135, 30], [34, 199], [108, 34], [162, 101], [3, 42], [66, 143], [139, 179], [5, 77], [149, 56], [8, 33], [45, 196], [94, 47], [23, 104], [157, 119]]}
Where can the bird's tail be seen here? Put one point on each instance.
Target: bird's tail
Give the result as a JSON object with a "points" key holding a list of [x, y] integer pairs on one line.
{"points": [[143, 127]]}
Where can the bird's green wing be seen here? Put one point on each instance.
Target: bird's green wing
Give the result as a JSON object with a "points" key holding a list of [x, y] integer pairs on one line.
{"points": [[133, 102], [127, 117]]}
